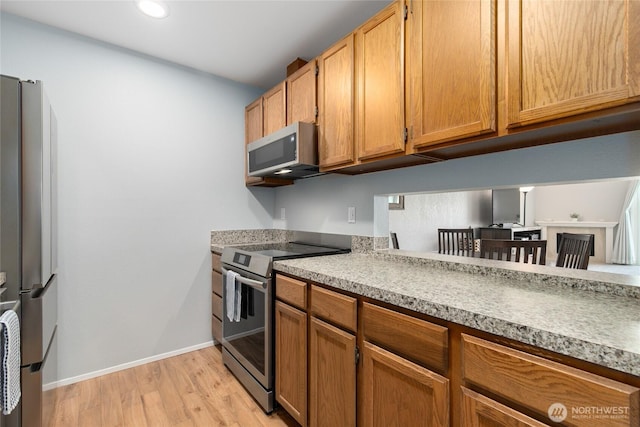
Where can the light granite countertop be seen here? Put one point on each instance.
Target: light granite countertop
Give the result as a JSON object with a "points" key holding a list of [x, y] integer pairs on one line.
{"points": [[569, 313]]}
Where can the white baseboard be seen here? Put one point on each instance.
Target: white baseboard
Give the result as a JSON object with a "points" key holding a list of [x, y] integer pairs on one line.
{"points": [[123, 366]]}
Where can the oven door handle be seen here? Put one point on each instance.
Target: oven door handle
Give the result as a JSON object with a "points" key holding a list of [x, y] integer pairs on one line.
{"points": [[256, 284]]}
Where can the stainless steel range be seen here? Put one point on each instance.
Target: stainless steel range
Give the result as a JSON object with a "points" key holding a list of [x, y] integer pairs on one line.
{"points": [[248, 300]]}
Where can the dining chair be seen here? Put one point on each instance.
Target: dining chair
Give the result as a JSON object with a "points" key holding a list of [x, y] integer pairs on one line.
{"points": [[455, 241], [515, 250], [574, 250], [394, 241]]}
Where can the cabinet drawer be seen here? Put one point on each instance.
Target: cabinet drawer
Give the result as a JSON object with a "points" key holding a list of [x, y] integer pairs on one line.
{"points": [[216, 305], [216, 264], [216, 329], [292, 291], [216, 282], [537, 383], [334, 307], [414, 339], [476, 408]]}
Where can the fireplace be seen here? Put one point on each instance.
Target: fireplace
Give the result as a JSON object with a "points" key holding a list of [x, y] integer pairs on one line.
{"points": [[602, 232]]}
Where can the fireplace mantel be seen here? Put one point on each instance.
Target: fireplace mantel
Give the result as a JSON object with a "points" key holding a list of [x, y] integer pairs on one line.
{"points": [[549, 230]]}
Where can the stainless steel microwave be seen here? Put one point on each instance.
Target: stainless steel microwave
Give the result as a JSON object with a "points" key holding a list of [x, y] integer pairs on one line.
{"points": [[291, 152]]}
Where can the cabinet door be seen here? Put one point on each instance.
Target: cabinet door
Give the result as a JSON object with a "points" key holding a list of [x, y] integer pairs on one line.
{"points": [[253, 121], [302, 94], [274, 104], [252, 132], [536, 383], [336, 105], [480, 411], [380, 84], [216, 298], [291, 361], [399, 392], [570, 57], [332, 376], [451, 66]]}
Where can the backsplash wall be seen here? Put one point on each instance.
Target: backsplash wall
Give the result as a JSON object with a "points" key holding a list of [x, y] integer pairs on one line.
{"points": [[320, 203]]}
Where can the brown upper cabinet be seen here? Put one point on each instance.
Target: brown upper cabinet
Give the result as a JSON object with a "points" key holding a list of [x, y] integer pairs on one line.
{"points": [[252, 131], [567, 58], [302, 94], [336, 105], [451, 70], [485, 76], [379, 47], [253, 121], [361, 97], [425, 81], [274, 104]]}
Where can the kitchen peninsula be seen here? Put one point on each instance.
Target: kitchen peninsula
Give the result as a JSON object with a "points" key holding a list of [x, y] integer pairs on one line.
{"points": [[525, 324], [533, 304]]}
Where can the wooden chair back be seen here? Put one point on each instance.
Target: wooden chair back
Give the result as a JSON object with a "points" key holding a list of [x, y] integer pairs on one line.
{"points": [[574, 251], [515, 250], [394, 241], [455, 241]]}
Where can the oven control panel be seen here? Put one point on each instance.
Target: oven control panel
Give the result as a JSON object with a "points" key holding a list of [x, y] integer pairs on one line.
{"points": [[242, 259]]}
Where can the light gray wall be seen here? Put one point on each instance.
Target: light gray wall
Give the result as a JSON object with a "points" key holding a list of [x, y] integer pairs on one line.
{"points": [[416, 225], [594, 201], [321, 203], [150, 159]]}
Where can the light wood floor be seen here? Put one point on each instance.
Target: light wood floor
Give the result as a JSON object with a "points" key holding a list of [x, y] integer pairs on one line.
{"points": [[193, 389]]}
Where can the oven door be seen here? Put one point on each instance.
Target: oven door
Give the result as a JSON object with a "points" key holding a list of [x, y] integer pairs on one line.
{"points": [[250, 338]]}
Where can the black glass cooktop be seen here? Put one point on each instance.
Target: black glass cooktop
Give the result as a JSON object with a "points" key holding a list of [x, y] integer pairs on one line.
{"points": [[288, 250]]}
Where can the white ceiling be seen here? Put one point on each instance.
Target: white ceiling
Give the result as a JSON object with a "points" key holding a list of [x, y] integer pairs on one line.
{"points": [[247, 41]]}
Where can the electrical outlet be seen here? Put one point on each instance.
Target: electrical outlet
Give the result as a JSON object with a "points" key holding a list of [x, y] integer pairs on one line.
{"points": [[282, 214], [351, 214]]}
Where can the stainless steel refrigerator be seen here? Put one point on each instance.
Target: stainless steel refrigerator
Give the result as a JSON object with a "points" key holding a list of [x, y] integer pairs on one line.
{"points": [[28, 240]]}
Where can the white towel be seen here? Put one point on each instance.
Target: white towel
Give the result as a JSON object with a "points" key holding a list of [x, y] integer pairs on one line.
{"points": [[10, 339], [238, 307], [230, 295]]}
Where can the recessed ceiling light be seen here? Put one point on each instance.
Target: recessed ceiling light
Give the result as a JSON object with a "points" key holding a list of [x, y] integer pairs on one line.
{"points": [[153, 8]]}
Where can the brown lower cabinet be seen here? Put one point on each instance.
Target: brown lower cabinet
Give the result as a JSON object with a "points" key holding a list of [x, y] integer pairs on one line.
{"points": [[397, 392], [291, 361], [332, 376], [216, 298], [344, 356], [546, 389]]}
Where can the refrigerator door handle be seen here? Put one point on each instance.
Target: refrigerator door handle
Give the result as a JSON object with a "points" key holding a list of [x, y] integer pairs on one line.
{"points": [[39, 318], [38, 291]]}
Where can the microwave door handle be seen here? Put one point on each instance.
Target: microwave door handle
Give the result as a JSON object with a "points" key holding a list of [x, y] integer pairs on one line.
{"points": [[256, 284]]}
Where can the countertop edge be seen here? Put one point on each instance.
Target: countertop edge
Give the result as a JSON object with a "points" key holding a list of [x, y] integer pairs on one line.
{"points": [[607, 283], [600, 354]]}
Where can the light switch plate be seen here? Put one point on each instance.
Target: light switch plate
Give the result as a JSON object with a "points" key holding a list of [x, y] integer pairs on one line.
{"points": [[282, 214], [351, 214]]}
